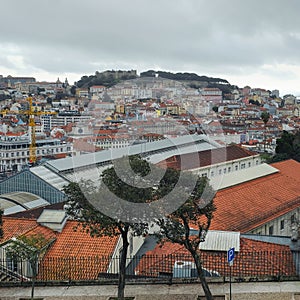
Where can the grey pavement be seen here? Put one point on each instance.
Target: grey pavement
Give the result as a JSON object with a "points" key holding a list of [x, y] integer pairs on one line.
{"points": [[251, 290]]}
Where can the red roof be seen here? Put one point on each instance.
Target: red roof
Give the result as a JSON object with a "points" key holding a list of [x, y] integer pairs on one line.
{"points": [[255, 258], [82, 145], [76, 255], [79, 243], [73, 255], [13, 227], [206, 158], [248, 205]]}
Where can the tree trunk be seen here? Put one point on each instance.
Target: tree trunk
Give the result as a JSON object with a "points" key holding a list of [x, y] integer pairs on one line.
{"points": [[34, 275], [201, 276], [122, 266], [32, 287]]}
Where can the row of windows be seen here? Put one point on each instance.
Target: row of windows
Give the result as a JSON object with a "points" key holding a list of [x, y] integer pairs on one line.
{"points": [[293, 220], [13, 161], [230, 169], [43, 151], [282, 224], [10, 147], [12, 154]]}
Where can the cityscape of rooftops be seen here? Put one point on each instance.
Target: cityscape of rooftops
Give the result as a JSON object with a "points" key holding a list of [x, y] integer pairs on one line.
{"points": [[150, 143]]}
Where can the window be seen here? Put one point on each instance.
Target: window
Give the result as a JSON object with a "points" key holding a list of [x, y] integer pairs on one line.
{"points": [[243, 166], [229, 169], [220, 172], [293, 218], [12, 264], [271, 230], [224, 171], [212, 173], [281, 224], [236, 167], [249, 164]]}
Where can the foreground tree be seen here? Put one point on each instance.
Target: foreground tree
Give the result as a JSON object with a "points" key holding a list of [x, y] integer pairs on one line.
{"points": [[195, 213], [132, 195], [28, 248], [100, 212]]}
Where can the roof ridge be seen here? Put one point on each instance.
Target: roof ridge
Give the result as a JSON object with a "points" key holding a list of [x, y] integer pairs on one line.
{"points": [[264, 242]]}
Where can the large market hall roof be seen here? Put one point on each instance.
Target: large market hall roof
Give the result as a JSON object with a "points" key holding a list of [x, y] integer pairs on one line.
{"points": [[165, 148]]}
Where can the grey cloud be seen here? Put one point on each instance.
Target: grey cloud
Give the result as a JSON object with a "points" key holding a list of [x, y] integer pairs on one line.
{"points": [[77, 36]]}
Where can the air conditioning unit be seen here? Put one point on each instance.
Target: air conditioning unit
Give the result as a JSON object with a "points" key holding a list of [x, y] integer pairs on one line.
{"points": [[184, 269], [187, 269]]}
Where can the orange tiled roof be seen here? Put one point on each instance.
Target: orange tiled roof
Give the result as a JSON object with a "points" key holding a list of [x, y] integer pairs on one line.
{"points": [[82, 145], [255, 258], [79, 243], [248, 205], [39, 229], [76, 255], [73, 255], [13, 227]]}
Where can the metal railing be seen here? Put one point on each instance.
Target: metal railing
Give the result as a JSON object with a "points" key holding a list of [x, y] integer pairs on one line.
{"points": [[155, 267]]}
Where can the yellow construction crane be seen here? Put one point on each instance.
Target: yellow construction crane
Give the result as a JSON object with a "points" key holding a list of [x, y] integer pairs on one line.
{"points": [[32, 112]]}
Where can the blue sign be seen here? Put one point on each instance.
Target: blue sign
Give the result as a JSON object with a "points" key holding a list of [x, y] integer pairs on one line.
{"points": [[230, 256]]}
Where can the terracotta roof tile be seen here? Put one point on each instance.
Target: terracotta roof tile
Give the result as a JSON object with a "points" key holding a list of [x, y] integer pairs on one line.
{"points": [[13, 227], [76, 255], [48, 234], [73, 255], [248, 205], [78, 243], [254, 259]]}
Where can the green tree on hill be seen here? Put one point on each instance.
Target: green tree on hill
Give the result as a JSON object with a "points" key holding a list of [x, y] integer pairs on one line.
{"points": [[287, 147], [265, 116]]}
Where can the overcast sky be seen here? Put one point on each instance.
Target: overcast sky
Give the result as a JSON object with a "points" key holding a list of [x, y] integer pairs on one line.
{"points": [[247, 42]]}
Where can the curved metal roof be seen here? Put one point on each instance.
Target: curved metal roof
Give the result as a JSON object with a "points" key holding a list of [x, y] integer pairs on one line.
{"points": [[20, 201]]}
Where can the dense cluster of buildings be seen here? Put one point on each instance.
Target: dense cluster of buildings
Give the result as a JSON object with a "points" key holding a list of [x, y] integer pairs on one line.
{"points": [[79, 131], [139, 110]]}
